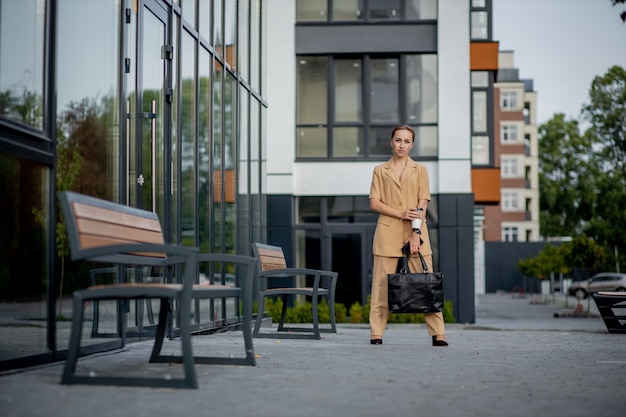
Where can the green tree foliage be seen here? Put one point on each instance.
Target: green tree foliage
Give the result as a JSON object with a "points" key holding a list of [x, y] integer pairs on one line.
{"points": [[582, 178], [562, 188], [584, 253]]}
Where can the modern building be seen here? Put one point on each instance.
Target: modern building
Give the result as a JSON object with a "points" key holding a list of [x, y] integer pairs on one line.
{"points": [[158, 104], [516, 219], [341, 74]]}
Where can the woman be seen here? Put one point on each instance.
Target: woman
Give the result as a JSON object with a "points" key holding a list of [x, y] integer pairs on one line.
{"points": [[400, 193]]}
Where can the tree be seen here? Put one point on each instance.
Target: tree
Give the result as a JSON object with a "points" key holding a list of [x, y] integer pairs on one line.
{"points": [[561, 205], [582, 178], [623, 13], [606, 171]]}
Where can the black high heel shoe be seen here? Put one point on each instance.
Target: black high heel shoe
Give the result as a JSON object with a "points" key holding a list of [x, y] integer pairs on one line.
{"points": [[376, 341], [439, 342]]}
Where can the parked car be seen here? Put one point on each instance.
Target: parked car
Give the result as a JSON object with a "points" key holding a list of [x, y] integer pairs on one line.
{"points": [[604, 281]]}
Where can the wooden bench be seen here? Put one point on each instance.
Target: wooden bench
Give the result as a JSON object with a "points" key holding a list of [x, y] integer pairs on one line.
{"points": [[272, 269], [105, 232], [607, 303]]}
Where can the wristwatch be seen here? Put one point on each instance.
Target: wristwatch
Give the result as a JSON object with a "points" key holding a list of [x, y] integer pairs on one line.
{"points": [[418, 231]]}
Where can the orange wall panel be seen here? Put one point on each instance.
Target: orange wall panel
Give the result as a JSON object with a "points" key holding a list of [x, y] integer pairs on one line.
{"points": [[486, 185], [484, 56]]}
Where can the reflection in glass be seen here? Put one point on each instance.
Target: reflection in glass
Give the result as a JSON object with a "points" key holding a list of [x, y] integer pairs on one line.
{"points": [[188, 142], [385, 90], [229, 173], [479, 23], [218, 138], [205, 21], [243, 198], [479, 111], [21, 61], [348, 141], [348, 90], [23, 225], [189, 12], [348, 10], [243, 41], [311, 93], [311, 142], [421, 9], [311, 10], [230, 33], [218, 35], [384, 9], [421, 88], [205, 107], [255, 44], [480, 150]]}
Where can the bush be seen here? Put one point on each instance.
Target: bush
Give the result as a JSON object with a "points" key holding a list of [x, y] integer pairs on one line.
{"points": [[358, 314]]}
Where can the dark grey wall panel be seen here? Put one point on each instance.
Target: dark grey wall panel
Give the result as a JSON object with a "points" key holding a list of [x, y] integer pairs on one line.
{"points": [[456, 253], [337, 39], [501, 259]]}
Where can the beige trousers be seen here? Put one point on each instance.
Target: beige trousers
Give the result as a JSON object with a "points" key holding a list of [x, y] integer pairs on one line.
{"points": [[379, 305]]}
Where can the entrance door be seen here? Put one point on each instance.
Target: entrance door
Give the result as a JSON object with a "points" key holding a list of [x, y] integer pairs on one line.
{"points": [[147, 162], [148, 108], [351, 257]]}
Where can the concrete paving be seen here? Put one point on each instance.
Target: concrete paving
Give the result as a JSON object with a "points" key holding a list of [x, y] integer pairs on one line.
{"points": [[518, 359]]}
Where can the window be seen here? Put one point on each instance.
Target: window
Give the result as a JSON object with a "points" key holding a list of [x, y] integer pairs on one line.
{"points": [[361, 11], [509, 167], [508, 100], [480, 25], [509, 234], [480, 79], [509, 201], [480, 150], [311, 10], [350, 114], [479, 111], [509, 134]]}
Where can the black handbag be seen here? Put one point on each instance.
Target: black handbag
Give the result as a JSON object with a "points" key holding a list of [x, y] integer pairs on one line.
{"points": [[414, 292]]}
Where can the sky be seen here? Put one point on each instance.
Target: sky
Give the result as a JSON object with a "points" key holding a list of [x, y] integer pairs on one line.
{"points": [[561, 45]]}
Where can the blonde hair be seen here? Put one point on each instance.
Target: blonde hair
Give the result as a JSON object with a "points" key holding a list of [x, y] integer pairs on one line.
{"points": [[403, 127]]}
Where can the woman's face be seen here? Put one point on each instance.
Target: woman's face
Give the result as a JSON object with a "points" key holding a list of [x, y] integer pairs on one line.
{"points": [[401, 143]]}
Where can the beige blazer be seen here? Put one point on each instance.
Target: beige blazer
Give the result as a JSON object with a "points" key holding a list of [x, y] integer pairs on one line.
{"points": [[391, 233]]}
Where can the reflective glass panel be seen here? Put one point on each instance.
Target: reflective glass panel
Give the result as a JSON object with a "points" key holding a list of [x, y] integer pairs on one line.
{"points": [[311, 142], [480, 150], [384, 9], [21, 61], [348, 141], [230, 32], [188, 141], [243, 42], [385, 90], [348, 10], [421, 88], [23, 274], [479, 111], [205, 107], [311, 10], [311, 93], [348, 90], [421, 9]]}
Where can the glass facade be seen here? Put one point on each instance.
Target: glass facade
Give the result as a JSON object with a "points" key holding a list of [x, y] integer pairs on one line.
{"points": [[159, 105]]}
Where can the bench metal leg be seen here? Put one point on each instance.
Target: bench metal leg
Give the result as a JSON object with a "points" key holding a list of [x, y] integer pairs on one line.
{"points": [[69, 371]]}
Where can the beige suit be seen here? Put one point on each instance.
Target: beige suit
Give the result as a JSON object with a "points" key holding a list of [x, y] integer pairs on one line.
{"points": [[390, 235]]}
